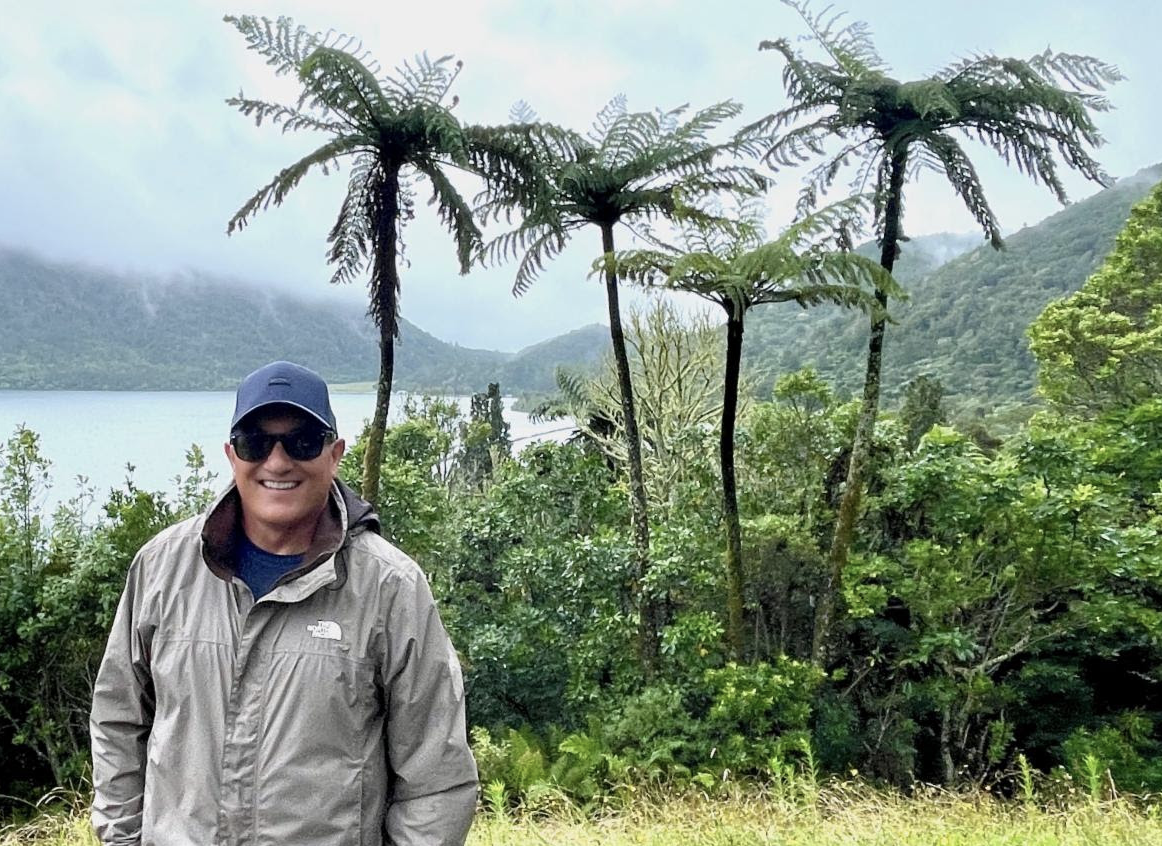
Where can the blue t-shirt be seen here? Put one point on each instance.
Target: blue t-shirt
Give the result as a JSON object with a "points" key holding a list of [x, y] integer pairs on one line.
{"points": [[261, 569]]}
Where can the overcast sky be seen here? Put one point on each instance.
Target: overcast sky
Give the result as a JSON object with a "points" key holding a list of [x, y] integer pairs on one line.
{"points": [[117, 149]]}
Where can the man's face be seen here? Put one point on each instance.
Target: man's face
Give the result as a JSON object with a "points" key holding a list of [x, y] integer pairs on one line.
{"points": [[282, 498]]}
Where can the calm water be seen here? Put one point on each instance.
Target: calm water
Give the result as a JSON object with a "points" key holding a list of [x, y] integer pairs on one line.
{"points": [[96, 433]]}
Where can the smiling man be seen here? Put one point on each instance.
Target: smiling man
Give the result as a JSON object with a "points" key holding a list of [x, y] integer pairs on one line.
{"points": [[277, 672]]}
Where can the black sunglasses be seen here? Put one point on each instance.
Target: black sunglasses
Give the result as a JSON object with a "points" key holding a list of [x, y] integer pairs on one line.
{"points": [[300, 444]]}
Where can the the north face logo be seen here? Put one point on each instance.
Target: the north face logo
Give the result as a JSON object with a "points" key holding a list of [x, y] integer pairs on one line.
{"points": [[327, 629]]}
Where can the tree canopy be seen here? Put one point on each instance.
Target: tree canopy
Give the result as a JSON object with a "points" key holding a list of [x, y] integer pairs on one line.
{"points": [[1101, 348]]}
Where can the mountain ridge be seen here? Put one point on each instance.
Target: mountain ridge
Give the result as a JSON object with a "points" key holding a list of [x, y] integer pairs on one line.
{"points": [[96, 329], [72, 326], [965, 320]]}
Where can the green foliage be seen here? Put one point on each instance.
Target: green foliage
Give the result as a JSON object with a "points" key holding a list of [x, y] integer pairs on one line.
{"points": [[521, 770], [676, 364], [537, 575], [1125, 752], [989, 573], [731, 722], [1102, 347], [760, 712], [484, 438], [923, 408], [59, 587], [517, 761]]}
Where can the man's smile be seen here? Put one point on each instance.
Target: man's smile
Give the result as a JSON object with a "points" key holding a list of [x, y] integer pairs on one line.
{"points": [[278, 486]]}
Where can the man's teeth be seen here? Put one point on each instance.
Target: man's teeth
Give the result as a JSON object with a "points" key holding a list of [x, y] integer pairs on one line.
{"points": [[279, 486]]}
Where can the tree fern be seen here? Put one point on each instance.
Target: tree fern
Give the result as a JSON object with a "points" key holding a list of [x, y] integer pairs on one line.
{"points": [[396, 129], [1034, 113]]}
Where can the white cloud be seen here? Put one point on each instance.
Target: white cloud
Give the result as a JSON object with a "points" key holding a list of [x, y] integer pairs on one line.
{"points": [[119, 148]]}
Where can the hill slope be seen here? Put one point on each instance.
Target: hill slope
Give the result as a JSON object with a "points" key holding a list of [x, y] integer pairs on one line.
{"points": [[79, 328], [73, 327], [965, 321]]}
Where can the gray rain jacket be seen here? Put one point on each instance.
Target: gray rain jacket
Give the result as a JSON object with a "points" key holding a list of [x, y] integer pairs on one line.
{"points": [[330, 711]]}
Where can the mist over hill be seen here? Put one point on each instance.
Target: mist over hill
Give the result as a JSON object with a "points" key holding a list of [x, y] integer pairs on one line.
{"points": [[67, 326], [73, 327]]}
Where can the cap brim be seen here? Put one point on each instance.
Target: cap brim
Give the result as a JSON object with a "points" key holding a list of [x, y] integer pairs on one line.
{"points": [[238, 420]]}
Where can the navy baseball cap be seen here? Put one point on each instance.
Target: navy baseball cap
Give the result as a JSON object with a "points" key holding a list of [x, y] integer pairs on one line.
{"points": [[284, 383]]}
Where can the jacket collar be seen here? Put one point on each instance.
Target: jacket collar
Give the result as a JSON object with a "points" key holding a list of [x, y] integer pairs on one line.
{"points": [[222, 527]]}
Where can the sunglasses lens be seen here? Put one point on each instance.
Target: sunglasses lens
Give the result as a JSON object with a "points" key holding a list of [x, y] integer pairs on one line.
{"points": [[252, 446], [304, 445], [300, 445]]}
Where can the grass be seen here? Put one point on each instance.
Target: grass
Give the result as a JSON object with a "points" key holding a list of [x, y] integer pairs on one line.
{"points": [[835, 815]]}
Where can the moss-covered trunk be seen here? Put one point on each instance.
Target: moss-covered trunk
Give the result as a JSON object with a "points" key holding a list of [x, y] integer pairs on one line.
{"points": [[734, 568], [384, 309], [649, 623], [825, 607]]}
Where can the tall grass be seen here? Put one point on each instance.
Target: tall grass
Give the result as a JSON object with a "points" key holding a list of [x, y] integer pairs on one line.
{"points": [[840, 814], [62, 819], [835, 815]]}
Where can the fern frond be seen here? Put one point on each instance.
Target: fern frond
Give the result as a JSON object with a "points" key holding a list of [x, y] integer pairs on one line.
{"points": [[423, 79], [545, 246], [352, 45], [455, 214], [277, 189], [849, 45], [351, 235], [964, 180], [1078, 72], [522, 112], [642, 267], [609, 114], [628, 138], [574, 388], [337, 82], [696, 129], [279, 115], [443, 135], [284, 45]]}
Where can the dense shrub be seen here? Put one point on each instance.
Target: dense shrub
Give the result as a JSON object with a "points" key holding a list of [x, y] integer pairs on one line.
{"points": [[1000, 607]]}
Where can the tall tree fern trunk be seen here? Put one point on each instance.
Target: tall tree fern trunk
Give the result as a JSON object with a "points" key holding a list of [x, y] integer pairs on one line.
{"points": [[384, 309], [825, 607], [373, 449], [734, 568], [648, 609]]}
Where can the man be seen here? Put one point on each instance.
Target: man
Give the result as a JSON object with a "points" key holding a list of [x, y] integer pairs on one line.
{"points": [[277, 672]]}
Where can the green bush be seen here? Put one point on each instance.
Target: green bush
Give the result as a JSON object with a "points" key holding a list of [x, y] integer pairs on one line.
{"points": [[1127, 749]]}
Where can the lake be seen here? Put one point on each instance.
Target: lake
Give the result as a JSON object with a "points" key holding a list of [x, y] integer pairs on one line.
{"points": [[97, 433]]}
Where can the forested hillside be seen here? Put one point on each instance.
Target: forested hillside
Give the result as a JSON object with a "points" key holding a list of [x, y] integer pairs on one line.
{"points": [[75, 327], [81, 328], [965, 321]]}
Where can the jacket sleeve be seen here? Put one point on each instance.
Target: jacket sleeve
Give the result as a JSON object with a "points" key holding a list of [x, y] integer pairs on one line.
{"points": [[432, 772], [122, 715]]}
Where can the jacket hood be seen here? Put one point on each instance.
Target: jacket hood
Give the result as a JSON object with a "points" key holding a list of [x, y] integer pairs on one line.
{"points": [[361, 516], [346, 515]]}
